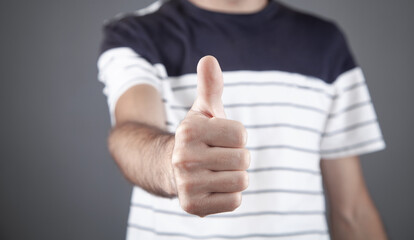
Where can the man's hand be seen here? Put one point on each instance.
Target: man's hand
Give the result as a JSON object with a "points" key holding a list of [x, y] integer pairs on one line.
{"points": [[209, 159]]}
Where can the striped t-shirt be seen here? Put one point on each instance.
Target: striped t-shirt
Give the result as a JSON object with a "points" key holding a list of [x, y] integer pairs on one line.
{"points": [[289, 77]]}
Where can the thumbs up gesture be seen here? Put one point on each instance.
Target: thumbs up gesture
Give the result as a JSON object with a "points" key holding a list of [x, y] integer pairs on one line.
{"points": [[209, 159]]}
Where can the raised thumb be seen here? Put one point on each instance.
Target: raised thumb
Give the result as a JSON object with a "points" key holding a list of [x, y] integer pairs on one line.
{"points": [[209, 88]]}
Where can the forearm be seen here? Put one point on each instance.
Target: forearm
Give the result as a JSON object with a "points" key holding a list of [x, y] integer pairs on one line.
{"points": [[143, 153], [363, 222]]}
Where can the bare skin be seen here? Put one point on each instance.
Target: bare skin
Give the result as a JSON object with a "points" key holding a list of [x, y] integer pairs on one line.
{"points": [[209, 158], [231, 6], [139, 142], [204, 164], [185, 164], [353, 214], [171, 165]]}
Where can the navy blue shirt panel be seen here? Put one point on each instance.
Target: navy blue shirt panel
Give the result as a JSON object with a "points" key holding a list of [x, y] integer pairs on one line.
{"points": [[277, 38]]}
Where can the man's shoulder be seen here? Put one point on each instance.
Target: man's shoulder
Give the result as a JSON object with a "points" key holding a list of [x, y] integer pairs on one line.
{"points": [[318, 41], [309, 25], [138, 30], [150, 17]]}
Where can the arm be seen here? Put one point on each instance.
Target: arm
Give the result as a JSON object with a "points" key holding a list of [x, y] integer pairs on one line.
{"points": [[204, 163], [352, 212], [139, 144]]}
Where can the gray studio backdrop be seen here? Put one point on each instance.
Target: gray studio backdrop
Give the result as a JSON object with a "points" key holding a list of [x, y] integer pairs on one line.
{"points": [[57, 180]]}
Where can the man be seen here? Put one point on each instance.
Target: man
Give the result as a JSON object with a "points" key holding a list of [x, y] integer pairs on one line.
{"points": [[179, 133]]}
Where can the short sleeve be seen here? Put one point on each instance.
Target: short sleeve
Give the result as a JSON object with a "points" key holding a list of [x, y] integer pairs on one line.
{"points": [[352, 127], [122, 64]]}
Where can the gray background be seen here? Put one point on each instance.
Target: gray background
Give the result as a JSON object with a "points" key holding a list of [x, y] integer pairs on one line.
{"points": [[57, 180]]}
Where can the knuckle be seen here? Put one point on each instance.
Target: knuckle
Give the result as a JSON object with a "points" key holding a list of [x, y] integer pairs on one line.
{"points": [[185, 185], [186, 133], [188, 187], [189, 206], [184, 158], [179, 156], [183, 163]]}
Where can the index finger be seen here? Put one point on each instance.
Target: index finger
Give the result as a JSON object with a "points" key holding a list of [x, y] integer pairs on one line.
{"points": [[220, 132]]}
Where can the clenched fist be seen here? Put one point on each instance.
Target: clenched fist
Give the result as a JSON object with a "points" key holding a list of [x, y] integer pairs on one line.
{"points": [[209, 157]]}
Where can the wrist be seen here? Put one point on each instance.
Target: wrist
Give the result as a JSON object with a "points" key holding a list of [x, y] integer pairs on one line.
{"points": [[169, 180]]}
